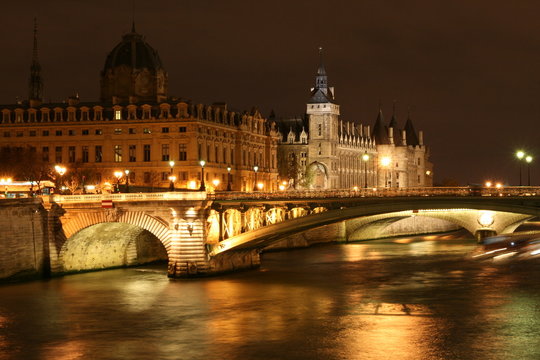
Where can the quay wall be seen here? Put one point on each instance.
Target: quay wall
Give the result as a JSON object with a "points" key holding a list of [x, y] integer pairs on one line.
{"points": [[23, 234]]}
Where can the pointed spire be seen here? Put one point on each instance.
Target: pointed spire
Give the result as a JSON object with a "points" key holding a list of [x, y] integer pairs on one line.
{"points": [[321, 70], [379, 133], [35, 83], [321, 93]]}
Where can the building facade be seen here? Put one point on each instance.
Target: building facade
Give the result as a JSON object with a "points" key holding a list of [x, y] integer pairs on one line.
{"points": [[137, 127], [321, 151]]}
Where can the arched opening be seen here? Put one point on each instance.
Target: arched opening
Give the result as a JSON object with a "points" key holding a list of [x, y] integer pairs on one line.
{"points": [[110, 245]]}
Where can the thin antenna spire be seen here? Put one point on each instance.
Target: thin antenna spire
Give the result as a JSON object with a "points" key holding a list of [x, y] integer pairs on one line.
{"points": [[133, 16], [35, 49], [35, 83]]}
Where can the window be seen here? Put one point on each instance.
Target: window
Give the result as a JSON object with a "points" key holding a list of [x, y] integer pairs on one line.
{"points": [[319, 129], [84, 154], [165, 130], [58, 133], [58, 154], [117, 153], [117, 131], [99, 132], [216, 153], [182, 152], [85, 132], [32, 133], [131, 131], [71, 154], [183, 175], [182, 129], [99, 154], [146, 152], [165, 152], [146, 177], [132, 153], [147, 131], [7, 134], [118, 115], [164, 176], [45, 153], [85, 116], [45, 133], [232, 156], [19, 134], [71, 132]]}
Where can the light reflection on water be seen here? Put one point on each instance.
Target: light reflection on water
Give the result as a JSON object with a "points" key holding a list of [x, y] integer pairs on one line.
{"points": [[408, 298]]}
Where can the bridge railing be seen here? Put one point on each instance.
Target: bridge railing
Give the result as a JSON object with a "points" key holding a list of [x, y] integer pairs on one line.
{"points": [[88, 198], [379, 192], [300, 194]]}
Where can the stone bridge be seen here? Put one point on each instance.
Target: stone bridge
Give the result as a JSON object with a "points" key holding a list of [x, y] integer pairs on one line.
{"points": [[203, 234]]}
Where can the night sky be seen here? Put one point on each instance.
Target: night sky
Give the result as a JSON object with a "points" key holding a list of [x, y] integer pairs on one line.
{"points": [[469, 70]]}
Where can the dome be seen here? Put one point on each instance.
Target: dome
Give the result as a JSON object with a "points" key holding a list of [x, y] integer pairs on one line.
{"points": [[133, 72], [134, 52]]}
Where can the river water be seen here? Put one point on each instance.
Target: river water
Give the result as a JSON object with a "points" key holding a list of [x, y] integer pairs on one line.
{"points": [[405, 298]]}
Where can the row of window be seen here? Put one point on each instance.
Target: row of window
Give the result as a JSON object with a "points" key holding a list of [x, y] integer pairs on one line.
{"points": [[117, 131]]}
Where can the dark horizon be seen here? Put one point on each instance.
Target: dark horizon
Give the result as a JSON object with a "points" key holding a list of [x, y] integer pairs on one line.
{"points": [[468, 72]]}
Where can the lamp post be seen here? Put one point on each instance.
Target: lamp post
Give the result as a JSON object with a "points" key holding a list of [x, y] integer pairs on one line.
{"points": [[255, 169], [365, 159], [203, 187], [127, 180], [171, 182], [61, 171], [118, 175], [228, 178], [528, 159], [520, 154]]}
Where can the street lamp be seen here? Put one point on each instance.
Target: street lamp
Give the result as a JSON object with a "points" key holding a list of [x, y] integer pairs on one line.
{"points": [[228, 178], [61, 171], [520, 155], [203, 187], [365, 159], [118, 175], [385, 162], [5, 182], [255, 169], [127, 180], [171, 182], [528, 159], [216, 183]]}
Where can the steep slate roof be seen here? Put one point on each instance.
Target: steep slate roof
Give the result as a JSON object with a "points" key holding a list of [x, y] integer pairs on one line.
{"points": [[412, 137], [380, 132]]}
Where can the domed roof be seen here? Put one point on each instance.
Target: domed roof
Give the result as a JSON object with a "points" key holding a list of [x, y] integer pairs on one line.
{"points": [[134, 52]]}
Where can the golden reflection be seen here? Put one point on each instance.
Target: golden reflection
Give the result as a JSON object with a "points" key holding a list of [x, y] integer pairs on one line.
{"points": [[66, 350], [140, 295], [233, 327]]}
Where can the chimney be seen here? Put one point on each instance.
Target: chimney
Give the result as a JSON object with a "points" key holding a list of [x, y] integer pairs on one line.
{"points": [[391, 135], [404, 137], [421, 138]]}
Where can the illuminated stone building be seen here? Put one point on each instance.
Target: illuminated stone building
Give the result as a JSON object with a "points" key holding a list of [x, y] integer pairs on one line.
{"points": [[137, 127], [321, 151]]}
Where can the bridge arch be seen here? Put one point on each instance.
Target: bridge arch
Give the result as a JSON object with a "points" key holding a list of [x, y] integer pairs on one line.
{"points": [[158, 227], [513, 215]]}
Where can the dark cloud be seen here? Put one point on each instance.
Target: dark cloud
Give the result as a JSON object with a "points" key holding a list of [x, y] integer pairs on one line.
{"points": [[468, 69]]}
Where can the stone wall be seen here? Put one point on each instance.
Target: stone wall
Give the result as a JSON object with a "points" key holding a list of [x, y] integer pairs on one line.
{"points": [[22, 245]]}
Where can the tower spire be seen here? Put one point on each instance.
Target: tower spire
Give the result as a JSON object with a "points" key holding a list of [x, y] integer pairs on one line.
{"points": [[35, 88]]}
